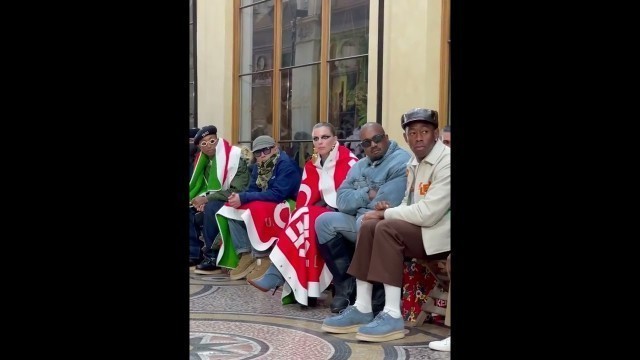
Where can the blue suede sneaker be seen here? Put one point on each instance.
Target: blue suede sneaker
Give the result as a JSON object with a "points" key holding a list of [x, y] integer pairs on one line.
{"points": [[383, 328], [348, 321]]}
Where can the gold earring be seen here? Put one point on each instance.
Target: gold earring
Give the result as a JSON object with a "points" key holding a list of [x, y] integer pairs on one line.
{"points": [[314, 156]]}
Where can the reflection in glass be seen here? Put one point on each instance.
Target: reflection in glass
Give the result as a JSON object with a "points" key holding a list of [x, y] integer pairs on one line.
{"points": [[300, 105], [301, 32], [348, 95], [256, 117], [256, 44], [349, 36], [298, 108], [249, 2], [299, 151], [349, 28]]}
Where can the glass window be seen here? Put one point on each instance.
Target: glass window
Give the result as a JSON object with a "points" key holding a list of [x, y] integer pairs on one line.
{"points": [[311, 88], [256, 43], [348, 78], [256, 116], [300, 107]]}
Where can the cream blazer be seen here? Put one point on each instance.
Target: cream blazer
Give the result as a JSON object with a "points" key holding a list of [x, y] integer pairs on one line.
{"points": [[430, 196]]}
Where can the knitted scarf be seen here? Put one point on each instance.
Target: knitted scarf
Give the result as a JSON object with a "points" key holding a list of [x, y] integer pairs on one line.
{"points": [[265, 170]]}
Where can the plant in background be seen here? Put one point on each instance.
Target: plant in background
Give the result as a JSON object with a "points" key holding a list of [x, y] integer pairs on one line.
{"points": [[357, 97]]}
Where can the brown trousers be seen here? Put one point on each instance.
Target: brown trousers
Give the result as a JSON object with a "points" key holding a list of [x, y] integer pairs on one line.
{"points": [[381, 248]]}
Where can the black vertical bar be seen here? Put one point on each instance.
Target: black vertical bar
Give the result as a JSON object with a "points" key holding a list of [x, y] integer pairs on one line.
{"points": [[380, 52], [195, 63]]}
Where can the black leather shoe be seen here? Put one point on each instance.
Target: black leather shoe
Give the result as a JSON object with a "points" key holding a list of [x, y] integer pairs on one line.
{"points": [[207, 266], [311, 301], [345, 294]]}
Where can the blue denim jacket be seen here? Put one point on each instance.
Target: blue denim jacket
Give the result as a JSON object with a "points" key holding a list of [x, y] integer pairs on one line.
{"points": [[388, 175]]}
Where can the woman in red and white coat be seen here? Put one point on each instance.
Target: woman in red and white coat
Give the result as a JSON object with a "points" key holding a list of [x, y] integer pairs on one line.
{"points": [[296, 261]]}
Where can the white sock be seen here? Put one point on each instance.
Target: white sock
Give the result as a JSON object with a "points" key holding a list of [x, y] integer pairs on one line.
{"points": [[392, 301], [363, 296]]}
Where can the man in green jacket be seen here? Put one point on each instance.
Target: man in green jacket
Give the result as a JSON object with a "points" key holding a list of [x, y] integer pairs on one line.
{"points": [[220, 170]]}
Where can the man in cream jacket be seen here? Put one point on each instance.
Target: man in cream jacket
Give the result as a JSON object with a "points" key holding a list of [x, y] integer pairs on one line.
{"points": [[418, 228]]}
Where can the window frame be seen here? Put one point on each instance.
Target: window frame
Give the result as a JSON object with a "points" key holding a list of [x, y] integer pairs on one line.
{"points": [[277, 67]]}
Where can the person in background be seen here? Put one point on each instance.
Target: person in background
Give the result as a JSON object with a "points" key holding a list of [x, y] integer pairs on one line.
{"points": [[193, 152], [353, 143], [301, 151], [446, 135], [193, 149]]}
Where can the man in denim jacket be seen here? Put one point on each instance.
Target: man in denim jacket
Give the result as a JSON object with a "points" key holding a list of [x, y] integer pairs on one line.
{"points": [[379, 176]]}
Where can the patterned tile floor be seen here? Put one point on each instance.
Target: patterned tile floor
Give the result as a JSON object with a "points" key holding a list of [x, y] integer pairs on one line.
{"points": [[233, 320]]}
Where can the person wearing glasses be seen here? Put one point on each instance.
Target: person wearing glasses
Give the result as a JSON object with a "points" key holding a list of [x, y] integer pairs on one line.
{"points": [[379, 176], [295, 256], [219, 170], [417, 228], [251, 219]]}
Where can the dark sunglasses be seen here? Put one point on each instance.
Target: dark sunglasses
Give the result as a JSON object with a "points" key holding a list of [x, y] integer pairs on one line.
{"points": [[375, 138], [265, 151], [323, 137]]}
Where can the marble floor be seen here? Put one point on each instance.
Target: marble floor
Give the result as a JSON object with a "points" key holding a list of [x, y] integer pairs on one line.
{"points": [[233, 320]]}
